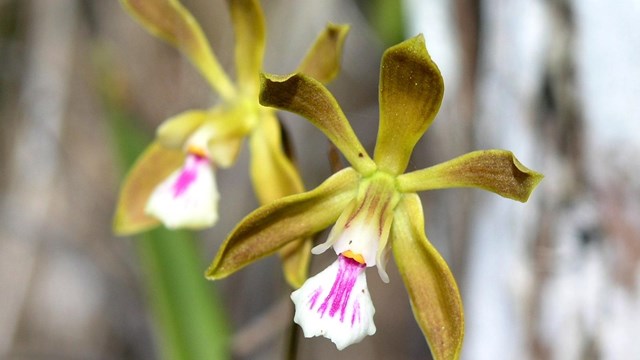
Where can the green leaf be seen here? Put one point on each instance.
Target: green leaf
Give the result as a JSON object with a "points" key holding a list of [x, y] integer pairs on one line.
{"points": [[188, 312], [173, 23], [322, 61], [411, 90], [152, 167], [308, 98], [434, 295], [274, 225], [249, 28], [497, 171]]}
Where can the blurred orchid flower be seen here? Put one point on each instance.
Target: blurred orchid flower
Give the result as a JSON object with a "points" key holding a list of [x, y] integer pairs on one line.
{"points": [[374, 205], [173, 181]]}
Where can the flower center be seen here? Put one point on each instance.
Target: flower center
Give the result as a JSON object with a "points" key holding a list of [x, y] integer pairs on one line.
{"points": [[197, 150], [354, 256]]}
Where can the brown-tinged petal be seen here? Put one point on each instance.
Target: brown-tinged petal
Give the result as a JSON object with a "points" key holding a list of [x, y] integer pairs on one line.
{"points": [[172, 22], [248, 24], [278, 223], [434, 295], [151, 168], [411, 90], [322, 61], [497, 171], [308, 98]]}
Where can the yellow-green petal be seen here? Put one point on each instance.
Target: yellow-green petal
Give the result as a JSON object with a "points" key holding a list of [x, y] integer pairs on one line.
{"points": [[274, 176], [224, 153], [411, 90], [249, 28], [152, 167], [308, 98], [274, 225], [322, 61], [434, 295], [172, 22], [497, 171], [175, 131], [272, 173]]}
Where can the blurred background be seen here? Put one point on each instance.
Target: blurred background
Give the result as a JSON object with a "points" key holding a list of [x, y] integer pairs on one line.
{"points": [[83, 86]]}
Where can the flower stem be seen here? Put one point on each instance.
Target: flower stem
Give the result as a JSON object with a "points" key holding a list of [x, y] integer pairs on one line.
{"points": [[292, 347]]}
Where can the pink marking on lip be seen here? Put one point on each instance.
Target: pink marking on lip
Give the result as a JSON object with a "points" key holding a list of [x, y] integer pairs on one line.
{"points": [[338, 297], [356, 313], [188, 175], [314, 298]]}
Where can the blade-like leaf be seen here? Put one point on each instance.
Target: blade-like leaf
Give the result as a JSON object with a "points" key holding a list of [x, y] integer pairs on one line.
{"points": [[172, 22], [497, 171], [189, 316], [151, 168], [308, 98], [248, 24], [434, 295], [272, 226], [274, 177], [411, 90], [322, 61]]}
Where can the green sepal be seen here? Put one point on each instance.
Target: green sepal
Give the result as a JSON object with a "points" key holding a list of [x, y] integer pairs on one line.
{"points": [[276, 224], [322, 61], [249, 30], [152, 167], [433, 292], [497, 171], [308, 98], [173, 23], [411, 90]]}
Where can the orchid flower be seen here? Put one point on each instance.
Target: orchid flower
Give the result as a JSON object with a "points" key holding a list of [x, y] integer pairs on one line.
{"points": [[373, 205], [173, 181]]}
